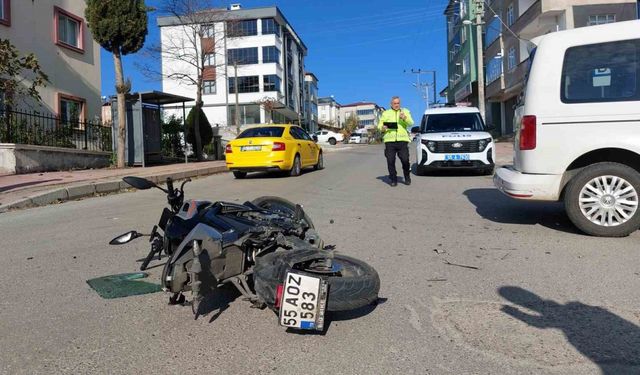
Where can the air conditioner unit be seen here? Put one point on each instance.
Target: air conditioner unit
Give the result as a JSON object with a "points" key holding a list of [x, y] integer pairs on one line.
{"points": [[236, 6]]}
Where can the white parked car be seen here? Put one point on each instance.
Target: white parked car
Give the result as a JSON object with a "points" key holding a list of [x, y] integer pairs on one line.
{"points": [[327, 136], [359, 138], [453, 138], [578, 129]]}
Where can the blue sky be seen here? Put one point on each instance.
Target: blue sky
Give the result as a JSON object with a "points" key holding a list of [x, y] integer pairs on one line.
{"points": [[359, 50]]}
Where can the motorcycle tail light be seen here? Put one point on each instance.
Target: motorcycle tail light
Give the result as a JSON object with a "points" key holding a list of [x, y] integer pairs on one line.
{"points": [[279, 294]]}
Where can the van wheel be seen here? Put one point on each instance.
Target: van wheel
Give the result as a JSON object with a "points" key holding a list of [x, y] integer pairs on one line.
{"points": [[332, 141], [239, 174], [602, 200]]}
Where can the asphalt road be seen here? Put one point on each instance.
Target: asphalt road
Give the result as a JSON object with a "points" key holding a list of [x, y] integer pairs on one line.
{"points": [[543, 299]]}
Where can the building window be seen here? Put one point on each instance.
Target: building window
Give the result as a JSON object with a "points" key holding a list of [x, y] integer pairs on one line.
{"points": [[270, 26], [463, 35], [209, 59], [245, 84], [365, 122], [600, 19], [68, 30], [466, 64], [208, 31], [492, 32], [604, 72], [242, 56], [208, 87], [271, 83], [365, 112], [494, 69], [463, 9], [71, 111], [5, 12], [248, 114], [511, 19], [242, 28], [270, 54], [512, 61]]}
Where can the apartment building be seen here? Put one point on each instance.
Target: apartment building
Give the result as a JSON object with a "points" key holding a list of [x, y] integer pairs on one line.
{"points": [[368, 114], [57, 33], [509, 24], [259, 52], [310, 120], [461, 53], [329, 113]]}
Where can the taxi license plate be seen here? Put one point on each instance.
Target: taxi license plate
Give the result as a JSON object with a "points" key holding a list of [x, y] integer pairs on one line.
{"points": [[304, 301], [250, 148], [457, 157]]}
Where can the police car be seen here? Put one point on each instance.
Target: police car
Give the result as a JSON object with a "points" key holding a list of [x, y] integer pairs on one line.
{"points": [[453, 138]]}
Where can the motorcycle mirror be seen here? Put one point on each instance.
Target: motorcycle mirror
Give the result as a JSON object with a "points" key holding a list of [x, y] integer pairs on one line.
{"points": [[139, 183], [124, 238]]}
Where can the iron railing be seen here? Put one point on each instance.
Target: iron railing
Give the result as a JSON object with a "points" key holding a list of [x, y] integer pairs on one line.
{"points": [[33, 128]]}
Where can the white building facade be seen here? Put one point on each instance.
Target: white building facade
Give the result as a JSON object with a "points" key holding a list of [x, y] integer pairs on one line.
{"points": [[56, 32], [329, 113], [260, 51], [368, 114]]}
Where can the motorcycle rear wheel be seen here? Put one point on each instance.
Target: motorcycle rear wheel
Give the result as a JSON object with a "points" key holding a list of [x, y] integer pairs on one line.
{"points": [[356, 285]]}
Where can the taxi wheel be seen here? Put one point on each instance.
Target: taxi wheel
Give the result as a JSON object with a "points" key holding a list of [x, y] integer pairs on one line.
{"points": [[297, 168], [239, 174], [320, 164]]}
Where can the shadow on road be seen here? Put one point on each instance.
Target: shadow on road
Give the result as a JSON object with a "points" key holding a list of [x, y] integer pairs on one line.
{"points": [[447, 172], [492, 205], [387, 180], [26, 184], [608, 340]]}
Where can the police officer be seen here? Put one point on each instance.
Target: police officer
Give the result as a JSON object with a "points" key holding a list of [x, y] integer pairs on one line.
{"points": [[395, 124]]}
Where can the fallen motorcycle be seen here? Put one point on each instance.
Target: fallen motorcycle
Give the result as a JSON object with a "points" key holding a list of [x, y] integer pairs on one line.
{"points": [[267, 248]]}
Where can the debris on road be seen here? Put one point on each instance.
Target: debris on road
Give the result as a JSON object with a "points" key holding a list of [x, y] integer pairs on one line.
{"points": [[460, 265], [436, 279], [440, 251], [505, 256]]}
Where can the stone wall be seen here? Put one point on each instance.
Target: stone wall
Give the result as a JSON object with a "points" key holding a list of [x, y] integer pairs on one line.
{"points": [[16, 158]]}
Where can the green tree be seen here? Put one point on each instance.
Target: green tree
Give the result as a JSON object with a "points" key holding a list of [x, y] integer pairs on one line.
{"points": [[206, 133], [350, 125], [120, 27], [171, 129], [19, 75]]}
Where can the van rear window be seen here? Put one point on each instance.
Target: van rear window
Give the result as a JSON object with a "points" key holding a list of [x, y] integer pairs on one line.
{"points": [[604, 72]]}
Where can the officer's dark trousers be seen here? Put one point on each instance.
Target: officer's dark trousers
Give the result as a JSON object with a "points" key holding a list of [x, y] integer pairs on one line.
{"points": [[390, 151]]}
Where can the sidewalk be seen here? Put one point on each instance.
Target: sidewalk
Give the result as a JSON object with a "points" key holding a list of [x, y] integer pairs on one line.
{"points": [[38, 189]]}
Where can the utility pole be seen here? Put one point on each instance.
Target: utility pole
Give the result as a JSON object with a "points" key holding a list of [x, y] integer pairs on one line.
{"points": [[423, 88], [479, 15]]}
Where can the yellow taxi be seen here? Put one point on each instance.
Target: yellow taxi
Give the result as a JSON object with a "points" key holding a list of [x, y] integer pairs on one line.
{"points": [[273, 147]]}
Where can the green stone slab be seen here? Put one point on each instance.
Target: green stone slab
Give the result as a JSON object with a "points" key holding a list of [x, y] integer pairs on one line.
{"points": [[123, 285]]}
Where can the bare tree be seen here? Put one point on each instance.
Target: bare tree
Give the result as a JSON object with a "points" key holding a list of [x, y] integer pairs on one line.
{"points": [[194, 52], [269, 104]]}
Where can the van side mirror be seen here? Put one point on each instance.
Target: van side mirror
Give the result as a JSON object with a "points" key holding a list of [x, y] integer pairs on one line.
{"points": [[415, 129]]}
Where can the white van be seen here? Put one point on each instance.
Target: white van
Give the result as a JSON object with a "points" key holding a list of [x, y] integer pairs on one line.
{"points": [[453, 138], [578, 130]]}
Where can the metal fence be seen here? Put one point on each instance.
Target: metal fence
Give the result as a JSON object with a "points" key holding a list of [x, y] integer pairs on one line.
{"points": [[33, 128]]}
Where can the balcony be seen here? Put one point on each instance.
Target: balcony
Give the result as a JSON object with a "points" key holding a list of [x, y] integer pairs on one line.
{"points": [[540, 18]]}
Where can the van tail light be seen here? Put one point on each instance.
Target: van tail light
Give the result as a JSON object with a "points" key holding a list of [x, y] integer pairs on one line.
{"points": [[278, 146], [279, 293], [227, 149], [528, 133]]}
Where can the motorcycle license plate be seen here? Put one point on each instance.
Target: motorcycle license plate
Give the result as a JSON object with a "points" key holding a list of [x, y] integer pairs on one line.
{"points": [[457, 157], [304, 301]]}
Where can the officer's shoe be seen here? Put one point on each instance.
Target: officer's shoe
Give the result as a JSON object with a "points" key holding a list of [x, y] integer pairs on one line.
{"points": [[407, 180], [394, 182]]}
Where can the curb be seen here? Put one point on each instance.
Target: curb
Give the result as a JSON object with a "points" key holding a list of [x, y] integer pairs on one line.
{"points": [[100, 188]]}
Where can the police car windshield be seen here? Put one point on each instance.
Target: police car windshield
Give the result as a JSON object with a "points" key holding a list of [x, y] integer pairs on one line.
{"points": [[451, 122]]}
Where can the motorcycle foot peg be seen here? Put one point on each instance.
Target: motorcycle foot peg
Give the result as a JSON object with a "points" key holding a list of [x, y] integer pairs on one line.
{"points": [[177, 299]]}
